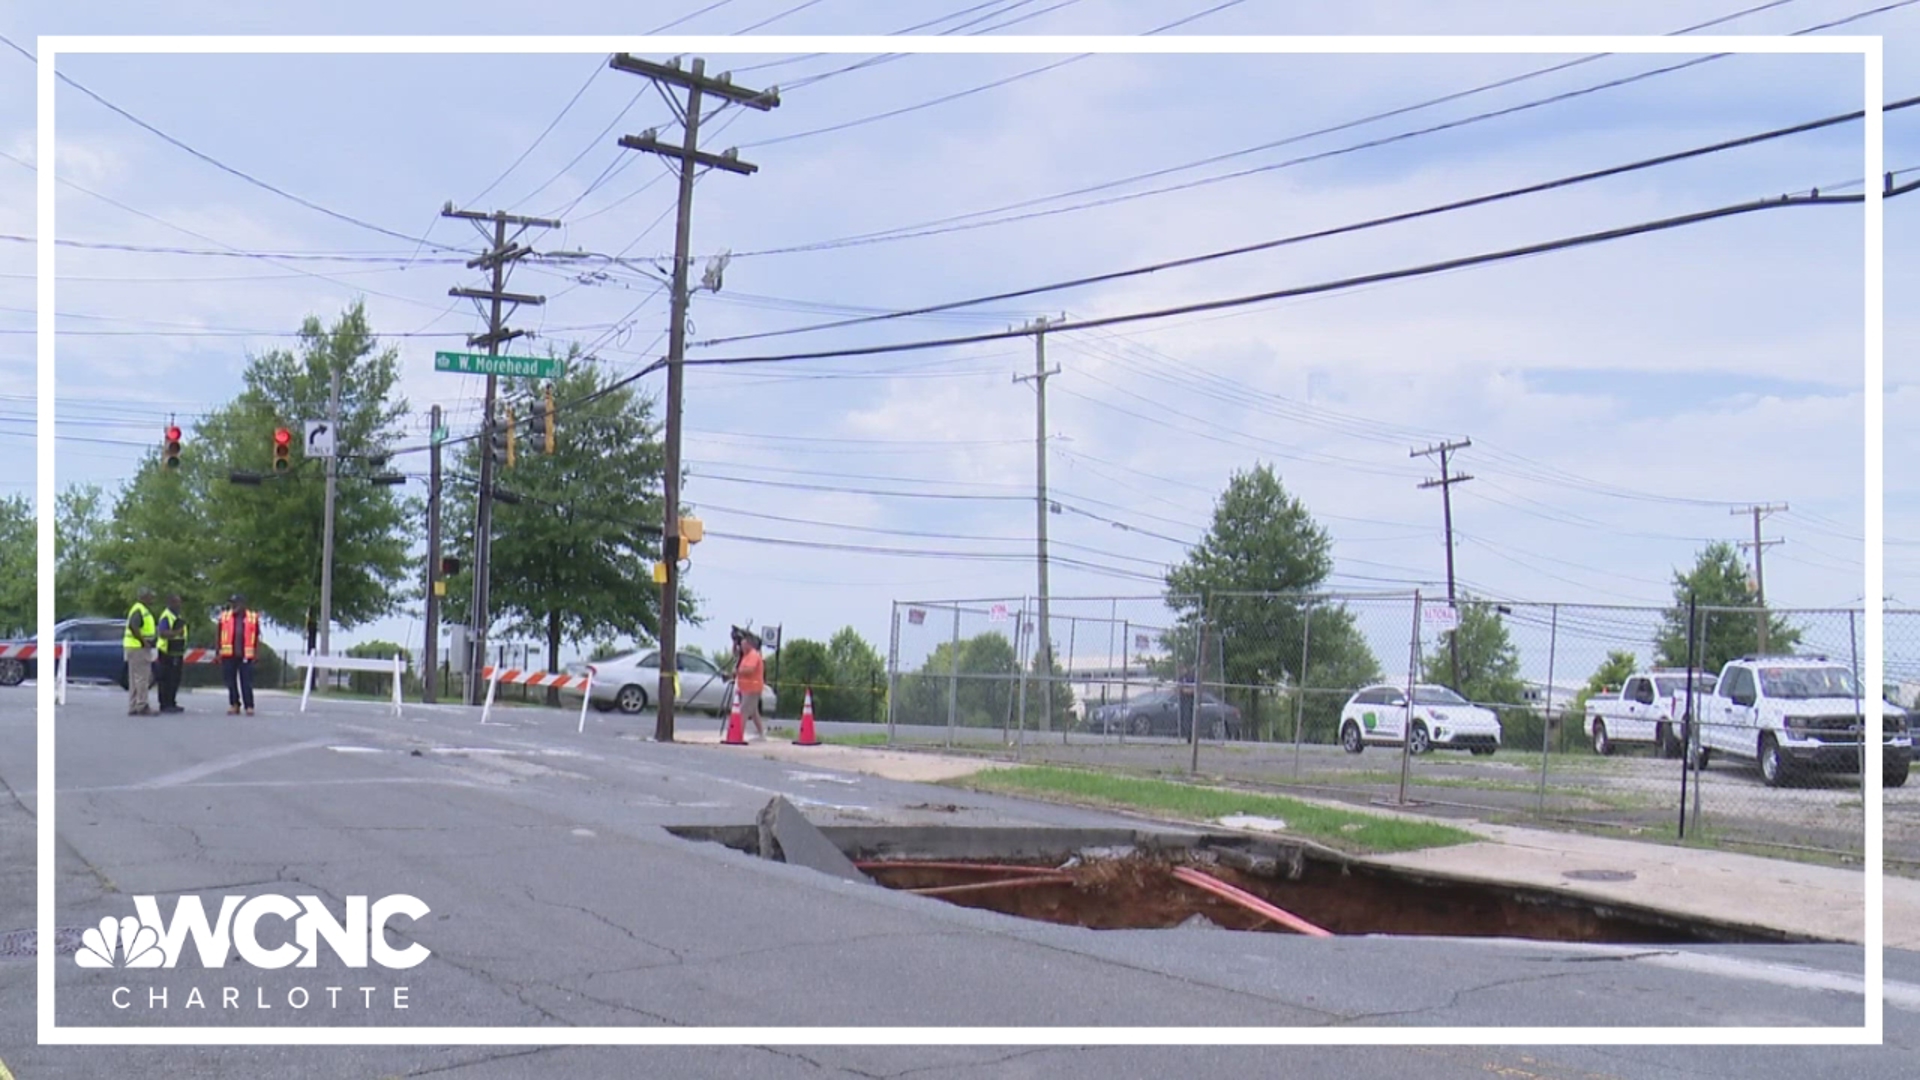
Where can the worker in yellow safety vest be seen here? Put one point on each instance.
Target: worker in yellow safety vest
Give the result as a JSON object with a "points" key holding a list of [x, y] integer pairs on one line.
{"points": [[139, 642], [173, 649], [239, 645]]}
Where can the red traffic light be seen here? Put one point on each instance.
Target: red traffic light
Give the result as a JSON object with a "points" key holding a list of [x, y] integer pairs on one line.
{"points": [[282, 437], [173, 433]]}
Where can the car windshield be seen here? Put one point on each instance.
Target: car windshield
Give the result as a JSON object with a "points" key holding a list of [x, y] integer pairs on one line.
{"points": [[1677, 684], [1436, 695], [1802, 683]]}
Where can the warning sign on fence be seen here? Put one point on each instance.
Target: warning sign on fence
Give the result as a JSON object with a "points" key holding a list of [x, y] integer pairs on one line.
{"points": [[1440, 618]]}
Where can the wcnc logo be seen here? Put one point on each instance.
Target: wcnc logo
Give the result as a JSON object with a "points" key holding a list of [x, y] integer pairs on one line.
{"points": [[149, 941]]}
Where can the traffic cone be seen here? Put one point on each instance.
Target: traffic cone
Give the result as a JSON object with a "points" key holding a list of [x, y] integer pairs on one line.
{"points": [[736, 725], [807, 737]]}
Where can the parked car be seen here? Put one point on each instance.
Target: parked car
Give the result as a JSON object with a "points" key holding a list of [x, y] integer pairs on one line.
{"points": [[1792, 714], [1157, 712], [97, 653], [1441, 719], [630, 681], [1650, 707]]}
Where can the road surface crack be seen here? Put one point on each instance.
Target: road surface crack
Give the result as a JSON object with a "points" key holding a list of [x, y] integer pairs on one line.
{"points": [[1453, 998]]}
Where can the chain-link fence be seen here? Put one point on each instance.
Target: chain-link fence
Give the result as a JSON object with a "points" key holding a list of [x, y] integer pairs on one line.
{"points": [[1582, 716]]}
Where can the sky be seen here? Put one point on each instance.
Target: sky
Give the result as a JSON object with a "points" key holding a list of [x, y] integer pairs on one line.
{"points": [[1623, 400]]}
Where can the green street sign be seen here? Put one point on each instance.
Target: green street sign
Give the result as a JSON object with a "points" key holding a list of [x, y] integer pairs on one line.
{"points": [[527, 367], [440, 434]]}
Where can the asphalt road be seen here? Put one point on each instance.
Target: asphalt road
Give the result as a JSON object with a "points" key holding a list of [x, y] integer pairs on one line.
{"points": [[559, 900]]}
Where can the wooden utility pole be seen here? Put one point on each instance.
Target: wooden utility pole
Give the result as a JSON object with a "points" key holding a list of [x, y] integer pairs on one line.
{"points": [[1043, 657], [687, 156], [1759, 547], [430, 655], [500, 253], [1445, 484]]}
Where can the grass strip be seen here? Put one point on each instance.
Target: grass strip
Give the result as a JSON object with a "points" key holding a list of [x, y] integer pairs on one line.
{"points": [[1344, 830]]}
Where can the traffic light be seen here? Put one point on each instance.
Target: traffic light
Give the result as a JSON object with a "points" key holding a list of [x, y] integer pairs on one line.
{"points": [[510, 437], [691, 531], [282, 450], [496, 441], [546, 419], [170, 450], [449, 566]]}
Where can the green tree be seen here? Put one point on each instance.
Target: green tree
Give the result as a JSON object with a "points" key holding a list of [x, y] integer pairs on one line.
{"points": [[573, 559], [859, 679], [1618, 668], [803, 663], [148, 543], [265, 540], [1489, 663], [19, 557], [1718, 580], [983, 694], [1253, 571], [80, 526]]}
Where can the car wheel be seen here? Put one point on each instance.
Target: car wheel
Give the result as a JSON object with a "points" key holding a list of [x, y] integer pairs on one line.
{"points": [[1773, 766], [1601, 744], [1700, 758], [1350, 739], [1422, 742], [631, 699], [1141, 725], [602, 706], [1666, 743], [12, 672], [1895, 777]]}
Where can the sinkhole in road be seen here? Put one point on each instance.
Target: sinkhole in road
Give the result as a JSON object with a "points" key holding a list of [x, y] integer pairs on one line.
{"points": [[1131, 880]]}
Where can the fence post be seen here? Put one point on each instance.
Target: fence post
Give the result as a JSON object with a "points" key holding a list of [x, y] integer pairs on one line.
{"points": [[953, 678], [1199, 669], [1020, 683], [1546, 716], [1413, 677], [1691, 754], [893, 668], [1860, 710], [1126, 672], [1073, 630], [1300, 688]]}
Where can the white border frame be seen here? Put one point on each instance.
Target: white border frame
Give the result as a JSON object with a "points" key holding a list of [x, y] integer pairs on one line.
{"points": [[1867, 47]]}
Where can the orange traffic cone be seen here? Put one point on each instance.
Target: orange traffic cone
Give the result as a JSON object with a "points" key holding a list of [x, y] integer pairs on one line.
{"points": [[807, 737], [736, 726]]}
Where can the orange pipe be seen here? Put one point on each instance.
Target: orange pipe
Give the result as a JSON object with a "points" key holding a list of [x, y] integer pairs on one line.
{"points": [[1202, 880], [982, 886]]}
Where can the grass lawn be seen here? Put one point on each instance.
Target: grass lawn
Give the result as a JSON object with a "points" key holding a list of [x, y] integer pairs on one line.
{"points": [[1341, 829]]}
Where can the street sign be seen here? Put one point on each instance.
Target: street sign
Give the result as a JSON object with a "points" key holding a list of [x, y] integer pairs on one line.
{"points": [[319, 438], [526, 367], [916, 616], [770, 636], [440, 434], [1440, 617]]}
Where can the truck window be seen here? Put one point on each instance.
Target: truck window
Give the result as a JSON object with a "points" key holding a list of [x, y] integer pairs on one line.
{"points": [[1737, 680]]}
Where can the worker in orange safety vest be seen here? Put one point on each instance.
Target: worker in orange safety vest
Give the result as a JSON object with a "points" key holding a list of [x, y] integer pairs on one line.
{"points": [[239, 645]]}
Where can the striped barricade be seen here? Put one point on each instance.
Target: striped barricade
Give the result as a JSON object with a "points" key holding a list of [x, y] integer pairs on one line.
{"points": [[583, 683]]}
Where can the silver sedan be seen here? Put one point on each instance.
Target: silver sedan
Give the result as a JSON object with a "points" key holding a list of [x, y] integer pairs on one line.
{"points": [[630, 681]]}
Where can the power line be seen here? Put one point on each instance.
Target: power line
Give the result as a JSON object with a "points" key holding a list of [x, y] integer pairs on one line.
{"points": [[1338, 230], [966, 222], [1564, 243]]}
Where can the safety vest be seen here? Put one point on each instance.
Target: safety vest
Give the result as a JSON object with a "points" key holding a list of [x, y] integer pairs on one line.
{"points": [[250, 642], [177, 631], [145, 615]]}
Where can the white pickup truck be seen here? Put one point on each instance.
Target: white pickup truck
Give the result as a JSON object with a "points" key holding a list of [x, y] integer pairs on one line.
{"points": [[1648, 708], [1791, 714]]}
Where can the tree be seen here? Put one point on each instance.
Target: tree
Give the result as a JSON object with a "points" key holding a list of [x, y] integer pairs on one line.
{"points": [[1254, 570], [573, 559], [265, 540], [983, 693], [1489, 663], [859, 679], [148, 543], [803, 663], [19, 558], [1618, 668], [1718, 580], [79, 529]]}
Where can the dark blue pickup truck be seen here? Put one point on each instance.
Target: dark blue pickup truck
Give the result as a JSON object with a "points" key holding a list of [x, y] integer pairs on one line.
{"points": [[98, 653]]}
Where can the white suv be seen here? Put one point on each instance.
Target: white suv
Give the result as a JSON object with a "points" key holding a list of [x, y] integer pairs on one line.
{"points": [[1441, 719], [1798, 713]]}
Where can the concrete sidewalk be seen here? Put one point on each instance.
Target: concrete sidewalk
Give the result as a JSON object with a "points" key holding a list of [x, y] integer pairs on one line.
{"points": [[1775, 894]]}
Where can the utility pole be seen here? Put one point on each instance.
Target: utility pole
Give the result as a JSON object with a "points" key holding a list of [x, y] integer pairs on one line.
{"points": [[1445, 484], [687, 157], [326, 543], [430, 668], [1043, 659], [495, 259], [1759, 546]]}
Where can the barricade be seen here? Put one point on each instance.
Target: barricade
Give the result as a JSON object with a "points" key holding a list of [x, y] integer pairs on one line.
{"points": [[583, 683], [396, 667]]}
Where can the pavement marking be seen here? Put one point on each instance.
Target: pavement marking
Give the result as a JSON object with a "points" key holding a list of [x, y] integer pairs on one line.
{"points": [[4, 1074], [329, 782], [831, 778], [584, 832], [219, 765], [1900, 995]]}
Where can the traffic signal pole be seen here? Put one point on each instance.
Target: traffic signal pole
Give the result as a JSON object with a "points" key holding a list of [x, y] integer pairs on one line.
{"points": [[326, 544], [430, 655]]}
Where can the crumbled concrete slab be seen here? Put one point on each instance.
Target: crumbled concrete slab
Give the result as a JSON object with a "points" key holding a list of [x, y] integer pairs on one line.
{"points": [[801, 843]]}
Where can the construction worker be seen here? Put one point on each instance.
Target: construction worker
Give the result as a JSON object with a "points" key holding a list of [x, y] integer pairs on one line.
{"points": [[239, 645], [749, 677], [139, 642], [173, 649]]}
